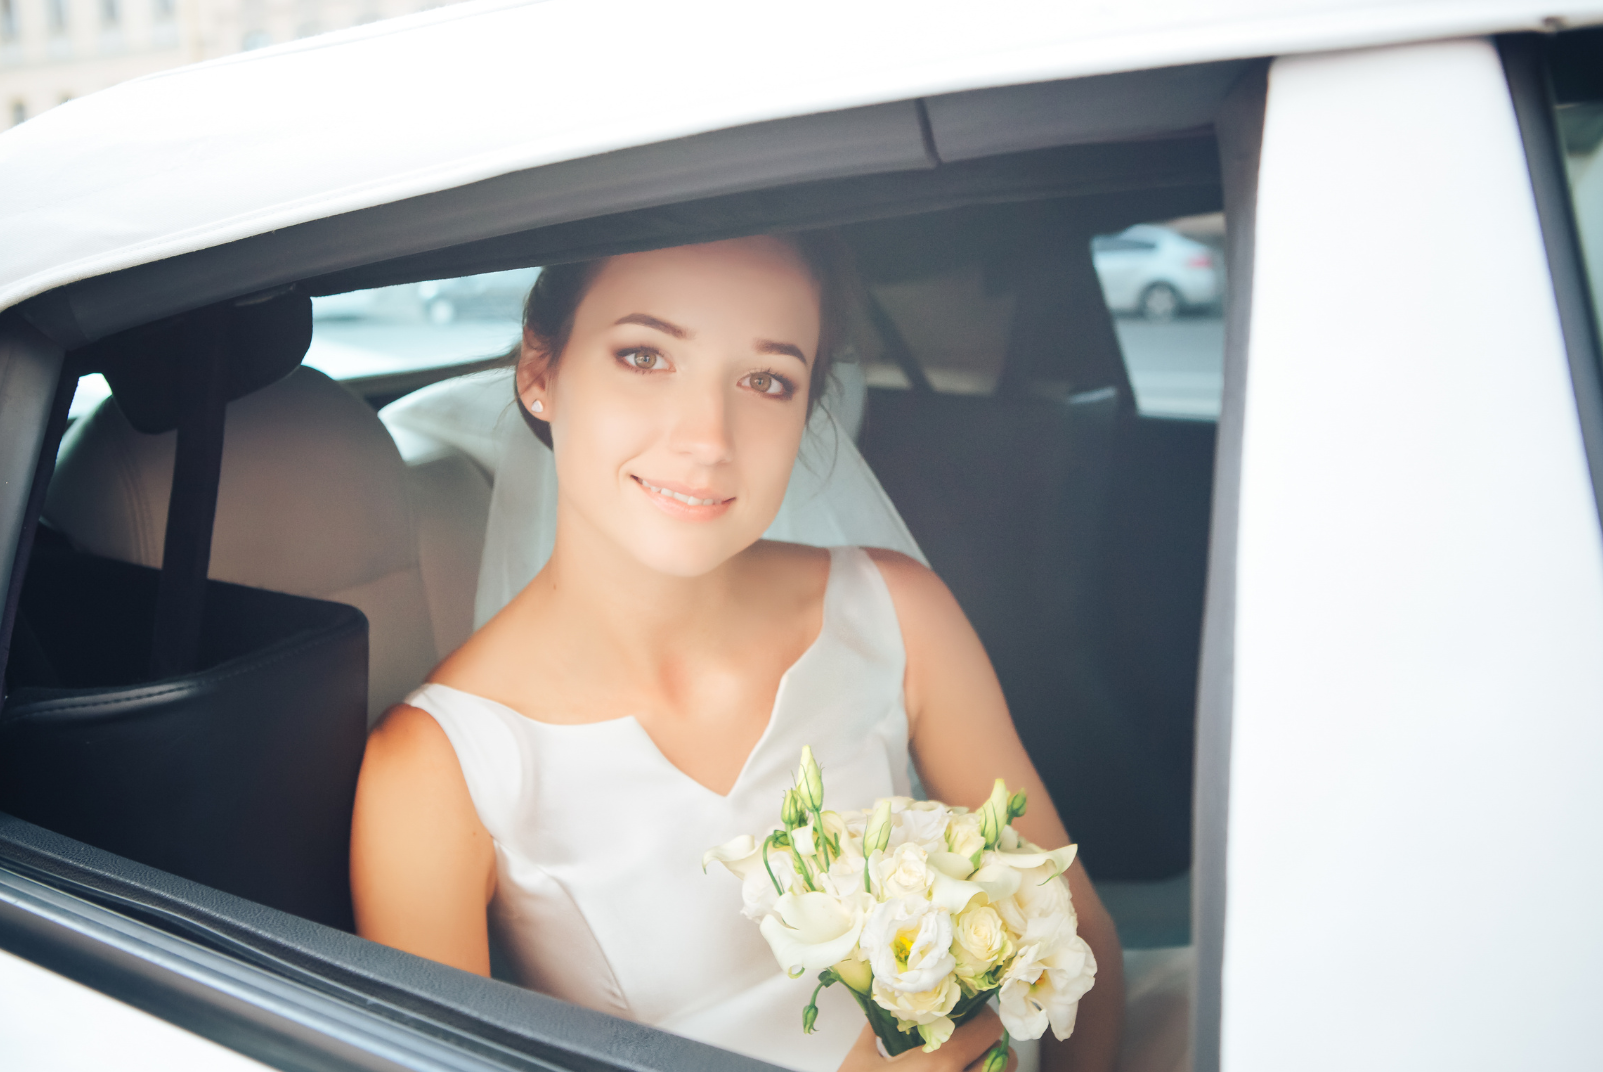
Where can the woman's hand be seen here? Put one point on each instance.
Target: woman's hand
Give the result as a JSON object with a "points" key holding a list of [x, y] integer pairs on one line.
{"points": [[963, 1052]]}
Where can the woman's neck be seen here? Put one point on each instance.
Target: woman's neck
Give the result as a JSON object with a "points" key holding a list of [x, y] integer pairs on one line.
{"points": [[646, 622]]}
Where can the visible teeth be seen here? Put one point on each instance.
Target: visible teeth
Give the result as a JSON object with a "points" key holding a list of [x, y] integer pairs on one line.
{"points": [[689, 500]]}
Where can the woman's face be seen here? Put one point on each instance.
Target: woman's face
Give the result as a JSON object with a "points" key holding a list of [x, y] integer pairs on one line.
{"points": [[678, 405]]}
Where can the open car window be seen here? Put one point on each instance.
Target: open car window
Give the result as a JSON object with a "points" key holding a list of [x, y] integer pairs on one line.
{"points": [[1006, 420]]}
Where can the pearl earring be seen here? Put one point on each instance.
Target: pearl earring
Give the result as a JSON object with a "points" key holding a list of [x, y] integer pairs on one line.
{"points": [[538, 407]]}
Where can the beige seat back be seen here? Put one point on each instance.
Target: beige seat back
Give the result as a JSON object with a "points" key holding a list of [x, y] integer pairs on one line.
{"points": [[314, 501]]}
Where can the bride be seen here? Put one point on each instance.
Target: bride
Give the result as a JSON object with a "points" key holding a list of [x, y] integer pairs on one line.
{"points": [[554, 784]]}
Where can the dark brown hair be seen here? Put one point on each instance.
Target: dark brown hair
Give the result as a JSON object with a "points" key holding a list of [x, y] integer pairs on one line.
{"points": [[554, 299]]}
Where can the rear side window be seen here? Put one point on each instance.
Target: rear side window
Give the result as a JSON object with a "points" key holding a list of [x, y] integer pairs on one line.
{"points": [[1164, 283], [413, 326], [366, 336]]}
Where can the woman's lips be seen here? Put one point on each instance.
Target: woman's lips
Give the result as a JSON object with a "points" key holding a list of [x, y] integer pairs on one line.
{"points": [[682, 502]]}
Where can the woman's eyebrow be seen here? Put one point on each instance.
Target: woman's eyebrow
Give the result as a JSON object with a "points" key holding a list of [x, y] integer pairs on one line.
{"points": [[646, 320], [769, 346]]}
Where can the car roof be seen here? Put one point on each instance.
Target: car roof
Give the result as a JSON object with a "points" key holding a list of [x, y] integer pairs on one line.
{"points": [[200, 156]]}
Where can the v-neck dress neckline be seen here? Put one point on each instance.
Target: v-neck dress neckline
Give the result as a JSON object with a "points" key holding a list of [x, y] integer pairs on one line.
{"points": [[831, 583], [600, 898]]}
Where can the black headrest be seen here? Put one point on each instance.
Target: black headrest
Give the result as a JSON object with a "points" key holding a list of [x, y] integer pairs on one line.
{"points": [[265, 338]]}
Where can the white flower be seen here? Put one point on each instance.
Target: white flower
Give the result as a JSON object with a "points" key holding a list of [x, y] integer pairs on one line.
{"points": [[980, 941], [922, 822], [1044, 986], [855, 972], [811, 931], [902, 872], [757, 893], [921, 1009], [963, 835], [844, 877], [909, 944], [1040, 894]]}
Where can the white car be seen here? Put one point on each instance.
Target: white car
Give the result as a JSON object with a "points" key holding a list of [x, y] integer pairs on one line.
{"points": [[1316, 685], [1154, 272]]}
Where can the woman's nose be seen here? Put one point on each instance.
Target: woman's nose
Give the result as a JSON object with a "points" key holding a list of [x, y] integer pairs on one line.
{"points": [[701, 427]]}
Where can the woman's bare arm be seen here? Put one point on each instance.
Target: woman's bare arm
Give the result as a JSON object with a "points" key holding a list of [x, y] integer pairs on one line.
{"points": [[422, 865], [963, 739]]}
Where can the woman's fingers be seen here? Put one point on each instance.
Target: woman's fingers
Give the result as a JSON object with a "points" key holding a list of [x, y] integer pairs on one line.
{"points": [[969, 1043]]}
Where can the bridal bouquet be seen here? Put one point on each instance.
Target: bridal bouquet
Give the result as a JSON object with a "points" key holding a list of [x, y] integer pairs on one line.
{"points": [[922, 910]]}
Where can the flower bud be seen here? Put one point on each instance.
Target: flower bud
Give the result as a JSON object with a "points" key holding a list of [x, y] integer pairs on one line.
{"points": [[996, 1058], [877, 835], [1015, 806], [809, 1017], [809, 781], [993, 814], [855, 974], [790, 812]]}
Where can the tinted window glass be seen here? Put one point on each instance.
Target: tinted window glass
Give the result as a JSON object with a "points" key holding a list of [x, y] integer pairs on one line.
{"points": [[1164, 284], [1578, 88]]}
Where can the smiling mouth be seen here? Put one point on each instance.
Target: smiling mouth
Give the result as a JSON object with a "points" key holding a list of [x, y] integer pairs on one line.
{"points": [[688, 500]]}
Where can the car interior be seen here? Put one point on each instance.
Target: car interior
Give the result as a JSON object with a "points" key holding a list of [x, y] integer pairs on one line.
{"points": [[238, 563]]}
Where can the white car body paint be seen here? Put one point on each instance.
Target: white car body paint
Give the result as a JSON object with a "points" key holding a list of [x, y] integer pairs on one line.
{"points": [[1418, 731], [198, 156]]}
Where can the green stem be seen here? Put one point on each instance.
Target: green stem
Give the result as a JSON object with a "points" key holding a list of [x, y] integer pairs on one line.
{"points": [[769, 867]]}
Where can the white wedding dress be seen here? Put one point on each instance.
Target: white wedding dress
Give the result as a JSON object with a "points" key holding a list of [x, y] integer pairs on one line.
{"points": [[600, 897]]}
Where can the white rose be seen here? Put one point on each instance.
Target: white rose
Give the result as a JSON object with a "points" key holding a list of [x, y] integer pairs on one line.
{"points": [[963, 835], [909, 944], [1044, 985], [922, 1009], [811, 931], [902, 872], [980, 942]]}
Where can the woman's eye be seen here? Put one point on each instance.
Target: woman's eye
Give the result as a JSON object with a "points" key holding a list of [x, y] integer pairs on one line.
{"points": [[766, 383], [643, 360]]}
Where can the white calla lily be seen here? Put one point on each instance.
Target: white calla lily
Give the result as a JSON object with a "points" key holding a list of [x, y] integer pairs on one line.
{"points": [[812, 931], [999, 881], [1032, 857], [737, 854], [951, 864], [953, 894]]}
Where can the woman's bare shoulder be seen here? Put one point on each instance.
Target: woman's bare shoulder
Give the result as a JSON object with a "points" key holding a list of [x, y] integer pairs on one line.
{"points": [[915, 589], [408, 737]]}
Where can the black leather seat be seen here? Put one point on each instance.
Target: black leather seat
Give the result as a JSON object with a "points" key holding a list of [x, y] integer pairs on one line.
{"points": [[1008, 496], [240, 774]]}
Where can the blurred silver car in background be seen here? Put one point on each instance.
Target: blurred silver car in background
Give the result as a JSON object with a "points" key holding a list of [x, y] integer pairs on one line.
{"points": [[1156, 273]]}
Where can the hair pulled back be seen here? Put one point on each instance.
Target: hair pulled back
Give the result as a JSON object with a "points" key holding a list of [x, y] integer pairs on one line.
{"points": [[549, 310]]}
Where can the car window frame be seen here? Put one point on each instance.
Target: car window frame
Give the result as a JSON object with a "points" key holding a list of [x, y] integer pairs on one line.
{"points": [[216, 917], [1525, 65]]}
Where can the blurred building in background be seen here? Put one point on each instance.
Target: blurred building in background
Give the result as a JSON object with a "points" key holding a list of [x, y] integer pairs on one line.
{"points": [[54, 50]]}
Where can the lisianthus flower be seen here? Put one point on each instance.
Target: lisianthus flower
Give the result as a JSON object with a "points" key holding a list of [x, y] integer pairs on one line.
{"points": [[922, 822], [925, 1010], [908, 941], [1040, 893], [1043, 986]]}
